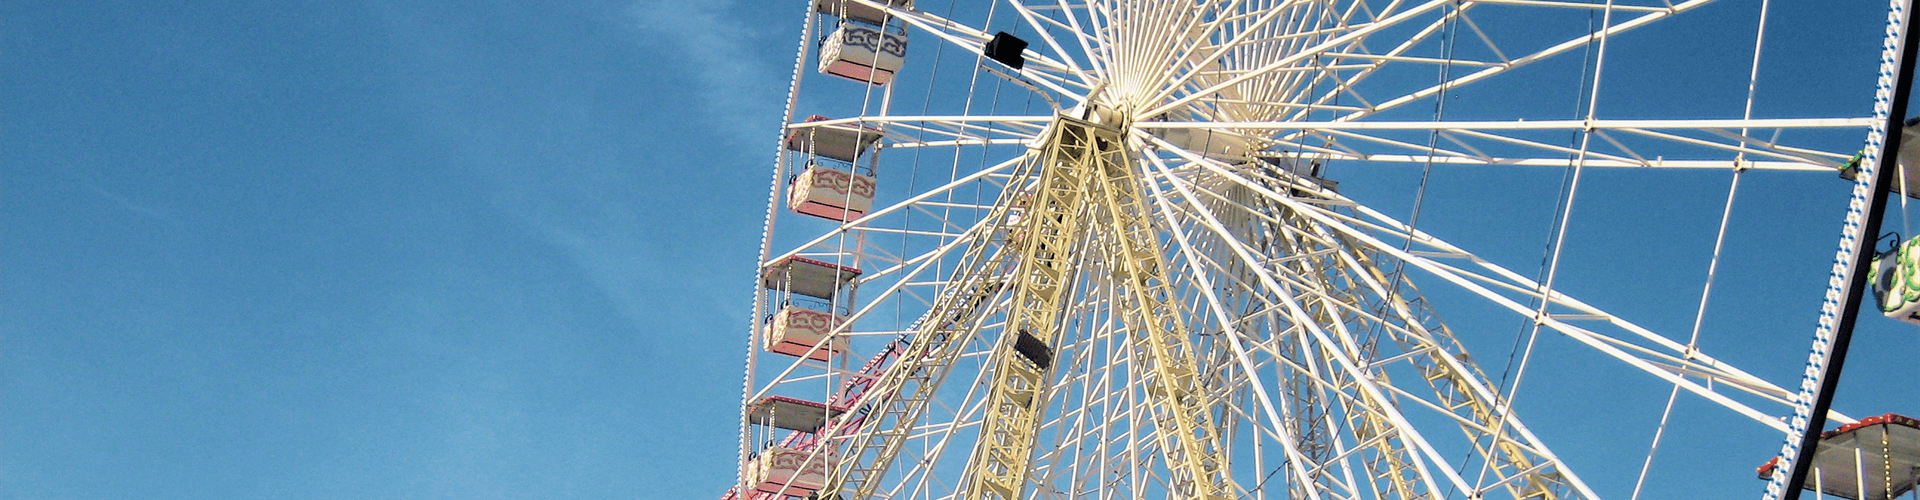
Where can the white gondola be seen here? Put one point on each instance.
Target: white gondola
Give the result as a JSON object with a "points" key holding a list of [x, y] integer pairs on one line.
{"points": [[831, 193], [863, 53], [788, 472], [797, 331], [845, 9], [833, 189], [1895, 275]]}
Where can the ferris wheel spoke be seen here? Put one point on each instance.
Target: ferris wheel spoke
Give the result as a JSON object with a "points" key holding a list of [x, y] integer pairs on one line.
{"points": [[1332, 137], [1766, 148], [1514, 448], [1373, 400], [1236, 341], [1535, 466], [1226, 20], [956, 126], [1688, 362], [1274, 431], [1045, 30], [959, 142], [1563, 162], [1574, 125], [1256, 40], [963, 131], [1217, 52], [1303, 55], [1371, 64], [1663, 7], [1040, 69], [1501, 136], [1522, 61], [1580, 311], [936, 435], [826, 240], [1083, 34], [1695, 361], [1796, 159], [1459, 391], [1343, 86], [903, 392]]}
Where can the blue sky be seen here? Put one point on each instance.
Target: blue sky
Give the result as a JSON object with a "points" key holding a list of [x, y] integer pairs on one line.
{"points": [[354, 250], [486, 250]]}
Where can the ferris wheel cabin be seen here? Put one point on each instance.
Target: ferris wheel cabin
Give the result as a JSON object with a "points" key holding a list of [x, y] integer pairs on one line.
{"points": [[864, 53], [832, 186], [863, 47], [1895, 276], [799, 329], [1877, 458], [831, 193]]}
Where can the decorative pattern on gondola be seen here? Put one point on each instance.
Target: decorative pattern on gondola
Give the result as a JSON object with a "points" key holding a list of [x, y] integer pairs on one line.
{"points": [[780, 471], [813, 323], [797, 331], [873, 40], [1903, 287], [842, 182], [893, 45], [1850, 237], [832, 194]]}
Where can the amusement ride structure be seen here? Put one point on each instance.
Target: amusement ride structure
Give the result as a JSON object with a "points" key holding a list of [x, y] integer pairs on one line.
{"points": [[1109, 254]]}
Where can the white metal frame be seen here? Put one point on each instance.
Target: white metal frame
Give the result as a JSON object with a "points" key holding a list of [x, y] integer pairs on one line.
{"points": [[1330, 374]]}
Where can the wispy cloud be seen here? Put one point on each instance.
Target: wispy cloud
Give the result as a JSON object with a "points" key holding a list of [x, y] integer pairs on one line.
{"points": [[728, 56], [553, 154]]}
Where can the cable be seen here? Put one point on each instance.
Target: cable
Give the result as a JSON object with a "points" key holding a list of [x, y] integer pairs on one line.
{"points": [[1713, 265], [1563, 216]]}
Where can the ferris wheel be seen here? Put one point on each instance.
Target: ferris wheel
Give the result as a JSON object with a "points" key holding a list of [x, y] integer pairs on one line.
{"points": [[1174, 249]]}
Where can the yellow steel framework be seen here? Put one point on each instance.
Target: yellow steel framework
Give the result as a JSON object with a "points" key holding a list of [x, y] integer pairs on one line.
{"points": [[1086, 183], [889, 409], [1023, 360], [1089, 194], [1184, 425], [903, 391]]}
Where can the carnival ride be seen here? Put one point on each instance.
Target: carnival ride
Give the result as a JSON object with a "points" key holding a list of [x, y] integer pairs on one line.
{"points": [[1111, 257]]}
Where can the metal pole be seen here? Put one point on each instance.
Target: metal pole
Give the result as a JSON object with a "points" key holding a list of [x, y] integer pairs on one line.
{"points": [[1863, 257]]}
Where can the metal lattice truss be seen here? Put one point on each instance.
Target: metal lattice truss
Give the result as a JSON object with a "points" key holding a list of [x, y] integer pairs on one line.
{"points": [[1151, 293]]}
